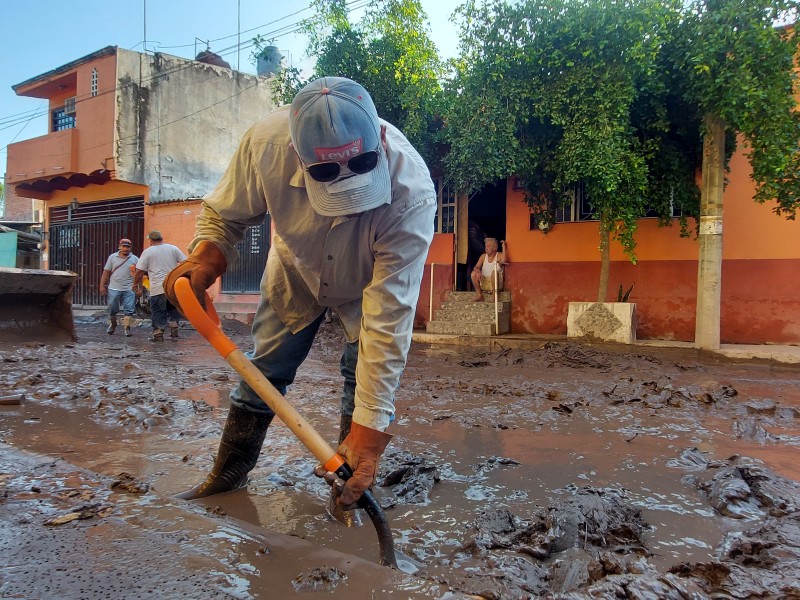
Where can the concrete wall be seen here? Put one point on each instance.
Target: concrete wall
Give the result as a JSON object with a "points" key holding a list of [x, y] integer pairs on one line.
{"points": [[189, 121]]}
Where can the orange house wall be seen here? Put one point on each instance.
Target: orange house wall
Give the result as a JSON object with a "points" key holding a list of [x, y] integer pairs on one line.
{"points": [[760, 295], [94, 115], [96, 193], [176, 223]]}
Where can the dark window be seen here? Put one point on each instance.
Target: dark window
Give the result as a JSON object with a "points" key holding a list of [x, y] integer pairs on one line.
{"points": [[62, 120], [444, 220]]}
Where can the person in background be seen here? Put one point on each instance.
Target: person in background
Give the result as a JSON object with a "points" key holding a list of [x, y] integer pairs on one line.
{"points": [[156, 262], [352, 206], [491, 261], [117, 282]]}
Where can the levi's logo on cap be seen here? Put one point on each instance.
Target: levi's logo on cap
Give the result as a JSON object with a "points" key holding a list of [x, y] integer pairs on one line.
{"points": [[340, 153]]}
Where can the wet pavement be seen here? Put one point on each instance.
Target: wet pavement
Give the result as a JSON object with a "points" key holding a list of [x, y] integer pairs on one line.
{"points": [[563, 471]]}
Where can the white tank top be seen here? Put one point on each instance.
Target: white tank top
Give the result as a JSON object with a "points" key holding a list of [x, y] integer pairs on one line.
{"points": [[488, 267]]}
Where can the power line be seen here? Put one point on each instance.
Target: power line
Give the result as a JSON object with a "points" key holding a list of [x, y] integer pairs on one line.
{"points": [[295, 27]]}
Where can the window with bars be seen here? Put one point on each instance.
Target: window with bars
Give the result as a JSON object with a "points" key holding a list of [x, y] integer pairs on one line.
{"points": [[61, 120], [93, 85], [579, 207], [445, 219]]}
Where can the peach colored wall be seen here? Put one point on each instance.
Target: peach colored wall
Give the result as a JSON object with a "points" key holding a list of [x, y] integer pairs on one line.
{"points": [[442, 284], [176, 222], [441, 250], [760, 287], [43, 157], [94, 115], [752, 230], [95, 193]]}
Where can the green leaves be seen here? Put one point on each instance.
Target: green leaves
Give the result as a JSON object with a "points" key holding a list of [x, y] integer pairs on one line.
{"points": [[390, 53], [561, 93]]}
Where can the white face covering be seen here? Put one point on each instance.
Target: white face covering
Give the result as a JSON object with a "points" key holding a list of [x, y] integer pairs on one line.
{"points": [[345, 183]]}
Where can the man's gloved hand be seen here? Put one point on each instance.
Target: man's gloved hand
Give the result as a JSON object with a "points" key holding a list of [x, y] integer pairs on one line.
{"points": [[362, 449], [203, 266]]}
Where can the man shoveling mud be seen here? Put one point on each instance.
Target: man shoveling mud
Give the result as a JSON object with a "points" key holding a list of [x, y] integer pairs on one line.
{"points": [[352, 205]]}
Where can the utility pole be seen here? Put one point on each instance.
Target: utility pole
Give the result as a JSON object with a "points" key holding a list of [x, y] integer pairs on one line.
{"points": [[709, 264]]}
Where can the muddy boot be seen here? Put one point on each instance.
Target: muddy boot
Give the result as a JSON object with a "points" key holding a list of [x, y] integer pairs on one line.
{"points": [[173, 332], [127, 321], [112, 327], [238, 452], [158, 335]]}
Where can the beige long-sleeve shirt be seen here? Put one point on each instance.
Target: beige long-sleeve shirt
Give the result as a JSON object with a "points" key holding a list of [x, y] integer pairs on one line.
{"points": [[368, 266]]}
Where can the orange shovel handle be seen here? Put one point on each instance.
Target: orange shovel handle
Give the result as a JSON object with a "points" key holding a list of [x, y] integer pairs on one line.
{"points": [[206, 322]]}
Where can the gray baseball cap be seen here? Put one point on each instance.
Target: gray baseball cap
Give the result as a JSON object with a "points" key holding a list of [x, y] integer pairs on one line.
{"points": [[333, 119]]}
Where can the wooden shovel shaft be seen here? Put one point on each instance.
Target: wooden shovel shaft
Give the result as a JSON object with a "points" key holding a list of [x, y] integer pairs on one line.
{"points": [[207, 324], [285, 411]]}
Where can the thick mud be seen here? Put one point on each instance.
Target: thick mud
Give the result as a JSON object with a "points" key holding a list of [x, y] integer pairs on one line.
{"points": [[564, 471]]}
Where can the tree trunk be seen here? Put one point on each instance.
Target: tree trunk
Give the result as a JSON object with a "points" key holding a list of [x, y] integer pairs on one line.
{"points": [[709, 269], [605, 259]]}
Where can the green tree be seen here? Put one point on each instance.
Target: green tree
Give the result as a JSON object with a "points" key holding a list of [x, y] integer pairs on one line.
{"points": [[737, 60], [390, 53], [564, 93]]}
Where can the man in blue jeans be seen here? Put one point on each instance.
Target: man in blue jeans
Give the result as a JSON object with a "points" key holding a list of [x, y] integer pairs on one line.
{"points": [[157, 261], [117, 281], [352, 206]]}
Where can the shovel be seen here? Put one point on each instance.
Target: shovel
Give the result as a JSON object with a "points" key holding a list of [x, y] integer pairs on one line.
{"points": [[206, 322]]}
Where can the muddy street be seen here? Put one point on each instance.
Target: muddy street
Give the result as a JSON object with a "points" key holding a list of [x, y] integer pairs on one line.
{"points": [[560, 471]]}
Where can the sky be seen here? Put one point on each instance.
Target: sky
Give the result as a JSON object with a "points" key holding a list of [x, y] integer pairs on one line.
{"points": [[41, 35]]}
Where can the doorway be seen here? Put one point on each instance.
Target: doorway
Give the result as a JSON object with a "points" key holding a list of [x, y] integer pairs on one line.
{"points": [[486, 213]]}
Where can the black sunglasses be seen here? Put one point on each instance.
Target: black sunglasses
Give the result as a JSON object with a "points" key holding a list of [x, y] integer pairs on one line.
{"points": [[360, 164]]}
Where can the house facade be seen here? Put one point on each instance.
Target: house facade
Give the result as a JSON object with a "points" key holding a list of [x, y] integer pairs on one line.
{"points": [[760, 291], [135, 140]]}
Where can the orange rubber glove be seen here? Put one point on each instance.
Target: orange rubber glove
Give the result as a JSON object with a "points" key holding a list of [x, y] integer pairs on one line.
{"points": [[203, 267], [362, 449]]}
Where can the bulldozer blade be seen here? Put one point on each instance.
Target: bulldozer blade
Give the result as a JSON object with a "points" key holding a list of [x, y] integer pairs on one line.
{"points": [[36, 305]]}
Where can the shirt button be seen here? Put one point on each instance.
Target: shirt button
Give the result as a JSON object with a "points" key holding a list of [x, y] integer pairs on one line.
{"points": [[324, 285], [330, 256]]}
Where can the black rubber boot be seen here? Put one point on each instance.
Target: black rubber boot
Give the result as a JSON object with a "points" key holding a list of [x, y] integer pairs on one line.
{"points": [[238, 452], [345, 422], [112, 326]]}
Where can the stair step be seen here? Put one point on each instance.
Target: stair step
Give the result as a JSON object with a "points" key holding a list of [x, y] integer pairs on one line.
{"points": [[476, 308], [467, 297], [456, 315], [456, 328]]}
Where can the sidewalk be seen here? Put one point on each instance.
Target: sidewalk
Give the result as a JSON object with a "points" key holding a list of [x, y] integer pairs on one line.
{"points": [[772, 352], [776, 353]]}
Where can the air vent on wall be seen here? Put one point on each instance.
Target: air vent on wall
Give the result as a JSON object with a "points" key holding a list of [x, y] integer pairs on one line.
{"points": [[69, 106]]}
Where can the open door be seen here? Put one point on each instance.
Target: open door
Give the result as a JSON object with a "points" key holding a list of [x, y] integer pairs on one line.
{"points": [[481, 216]]}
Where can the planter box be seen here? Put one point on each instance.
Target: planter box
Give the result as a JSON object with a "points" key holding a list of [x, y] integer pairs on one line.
{"points": [[602, 321]]}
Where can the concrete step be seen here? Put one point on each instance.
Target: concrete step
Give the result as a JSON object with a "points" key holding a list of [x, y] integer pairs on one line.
{"points": [[475, 308], [240, 308], [472, 316], [467, 297], [455, 328]]}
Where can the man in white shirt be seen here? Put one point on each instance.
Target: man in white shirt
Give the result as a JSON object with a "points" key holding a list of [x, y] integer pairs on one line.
{"points": [[156, 262], [352, 205]]}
